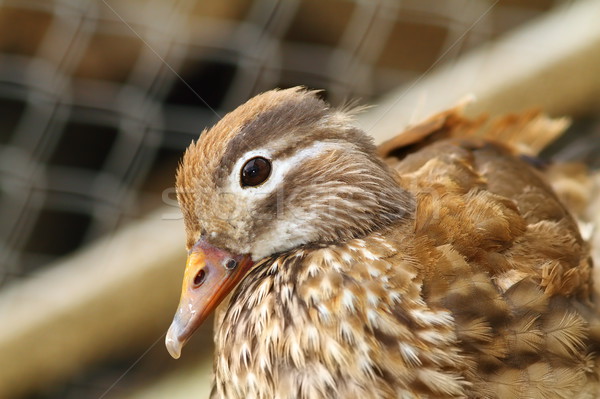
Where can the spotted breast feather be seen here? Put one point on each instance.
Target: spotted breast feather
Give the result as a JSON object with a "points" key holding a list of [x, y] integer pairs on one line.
{"points": [[440, 264]]}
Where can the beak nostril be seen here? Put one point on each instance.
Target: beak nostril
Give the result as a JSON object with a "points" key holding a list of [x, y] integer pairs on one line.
{"points": [[230, 264], [199, 279]]}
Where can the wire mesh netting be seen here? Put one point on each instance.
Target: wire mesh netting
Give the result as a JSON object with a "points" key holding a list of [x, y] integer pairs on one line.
{"points": [[98, 99]]}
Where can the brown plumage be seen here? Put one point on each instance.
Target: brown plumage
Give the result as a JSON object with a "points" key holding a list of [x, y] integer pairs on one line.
{"points": [[440, 264]]}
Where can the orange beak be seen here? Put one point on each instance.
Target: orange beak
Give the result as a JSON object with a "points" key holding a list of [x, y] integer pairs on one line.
{"points": [[210, 275]]}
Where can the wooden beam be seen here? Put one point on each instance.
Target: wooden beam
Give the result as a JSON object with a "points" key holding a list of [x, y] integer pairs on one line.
{"points": [[117, 295], [552, 63]]}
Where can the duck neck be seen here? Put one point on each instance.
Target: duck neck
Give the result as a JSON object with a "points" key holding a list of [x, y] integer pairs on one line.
{"points": [[313, 317]]}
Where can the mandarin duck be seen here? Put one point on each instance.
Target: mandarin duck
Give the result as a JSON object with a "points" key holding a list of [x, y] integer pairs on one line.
{"points": [[440, 264]]}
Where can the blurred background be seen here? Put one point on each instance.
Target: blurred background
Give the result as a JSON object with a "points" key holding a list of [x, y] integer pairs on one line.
{"points": [[98, 100]]}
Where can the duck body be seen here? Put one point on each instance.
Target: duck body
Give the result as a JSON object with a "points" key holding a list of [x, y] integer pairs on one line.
{"points": [[468, 277]]}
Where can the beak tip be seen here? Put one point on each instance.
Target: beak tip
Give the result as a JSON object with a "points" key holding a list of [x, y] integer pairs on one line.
{"points": [[173, 346]]}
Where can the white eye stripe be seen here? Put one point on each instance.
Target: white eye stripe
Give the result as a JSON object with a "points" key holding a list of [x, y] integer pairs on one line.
{"points": [[280, 168]]}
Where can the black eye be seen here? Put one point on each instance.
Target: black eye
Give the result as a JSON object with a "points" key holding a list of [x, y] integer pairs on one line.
{"points": [[255, 172]]}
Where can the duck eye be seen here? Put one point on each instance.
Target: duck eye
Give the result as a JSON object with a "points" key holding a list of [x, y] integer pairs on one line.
{"points": [[255, 172]]}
